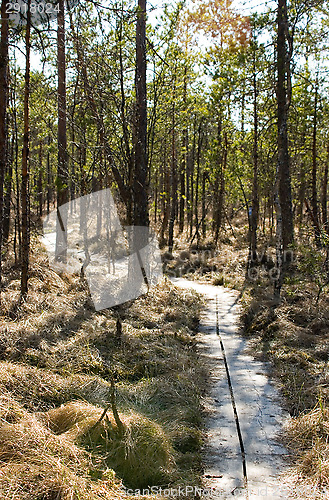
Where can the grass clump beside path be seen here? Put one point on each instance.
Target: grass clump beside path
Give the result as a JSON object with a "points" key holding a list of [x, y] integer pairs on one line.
{"points": [[57, 360]]}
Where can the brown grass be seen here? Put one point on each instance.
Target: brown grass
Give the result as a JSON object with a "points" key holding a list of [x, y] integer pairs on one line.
{"points": [[36, 463], [57, 358]]}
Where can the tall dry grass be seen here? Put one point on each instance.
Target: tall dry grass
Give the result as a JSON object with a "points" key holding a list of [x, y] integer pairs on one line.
{"points": [[57, 360]]}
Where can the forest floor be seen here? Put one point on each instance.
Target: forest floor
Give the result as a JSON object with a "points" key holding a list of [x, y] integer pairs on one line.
{"points": [[290, 334], [57, 360], [58, 357]]}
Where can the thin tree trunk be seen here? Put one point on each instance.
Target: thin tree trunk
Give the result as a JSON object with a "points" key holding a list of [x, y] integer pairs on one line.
{"points": [[156, 196], [25, 160], [62, 168], [49, 183], [255, 201], [182, 198], [183, 172], [218, 180], [314, 198], [197, 182], [188, 179], [18, 233], [40, 183], [166, 196], [325, 194], [140, 185], [3, 114], [221, 192], [8, 194], [129, 152], [192, 165], [173, 182], [283, 100], [203, 205]]}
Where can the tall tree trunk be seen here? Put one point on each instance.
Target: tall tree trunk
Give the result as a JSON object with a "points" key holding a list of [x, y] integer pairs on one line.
{"points": [[156, 195], [8, 193], [49, 180], [3, 114], [140, 187], [25, 160], [182, 198], [324, 201], [62, 167], [141, 174], [183, 172], [217, 207], [302, 185], [191, 172], [197, 182], [283, 101], [203, 204], [255, 201], [40, 183], [314, 167], [221, 188], [166, 196], [18, 233], [129, 152], [173, 210], [188, 179]]}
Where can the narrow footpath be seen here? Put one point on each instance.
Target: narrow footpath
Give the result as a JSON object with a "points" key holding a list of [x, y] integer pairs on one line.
{"points": [[243, 457]]}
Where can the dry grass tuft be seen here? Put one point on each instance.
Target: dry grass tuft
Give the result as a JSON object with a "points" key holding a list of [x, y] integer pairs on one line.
{"points": [[142, 456], [308, 437], [37, 464]]}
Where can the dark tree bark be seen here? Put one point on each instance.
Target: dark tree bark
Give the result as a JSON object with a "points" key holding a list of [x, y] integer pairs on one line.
{"points": [[283, 201], [25, 242], [217, 207], [197, 182], [283, 101], [17, 233], [62, 167], [221, 189], [156, 195], [188, 179], [140, 182], [314, 199], [173, 211], [3, 113], [40, 184], [183, 171], [165, 197], [324, 200], [128, 151], [255, 200], [191, 174], [182, 199], [8, 192], [302, 184], [49, 180], [203, 205]]}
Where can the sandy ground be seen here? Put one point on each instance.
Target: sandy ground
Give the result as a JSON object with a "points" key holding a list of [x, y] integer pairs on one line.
{"points": [[258, 406]]}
